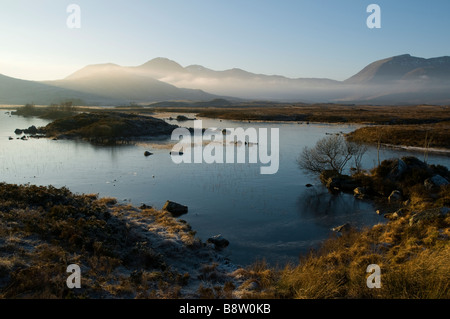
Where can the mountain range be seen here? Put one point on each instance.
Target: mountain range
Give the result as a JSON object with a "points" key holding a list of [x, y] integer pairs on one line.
{"points": [[402, 79]]}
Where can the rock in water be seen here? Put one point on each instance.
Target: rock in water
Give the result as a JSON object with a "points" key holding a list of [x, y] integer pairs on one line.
{"points": [[343, 228], [182, 118], [218, 241], [175, 209], [31, 130], [147, 153]]}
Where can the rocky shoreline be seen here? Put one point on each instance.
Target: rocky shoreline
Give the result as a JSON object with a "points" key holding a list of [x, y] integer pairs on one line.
{"points": [[391, 185], [123, 251]]}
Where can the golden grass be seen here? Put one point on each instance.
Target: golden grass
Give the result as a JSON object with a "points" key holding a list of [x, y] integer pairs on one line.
{"points": [[411, 249], [424, 135], [45, 229], [414, 264], [330, 113]]}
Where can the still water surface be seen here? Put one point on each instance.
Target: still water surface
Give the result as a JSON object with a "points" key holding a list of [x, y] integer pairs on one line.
{"points": [[274, 217]]}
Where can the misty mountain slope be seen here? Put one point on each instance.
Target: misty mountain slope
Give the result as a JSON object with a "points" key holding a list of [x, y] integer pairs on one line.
{"points": [[124, 85], [16, 91], [402, 79], [233, 82], [403, 67]]}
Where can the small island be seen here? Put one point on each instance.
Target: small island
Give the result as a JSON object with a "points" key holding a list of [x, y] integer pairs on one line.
{"points": [[108, 127]]}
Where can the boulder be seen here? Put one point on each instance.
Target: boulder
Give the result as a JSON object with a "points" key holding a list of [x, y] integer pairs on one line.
{"points": [[429, 214], [309, 185], [399, 213], [18, 131], [175, 209], [31, 130], [182, 118], [147, 153], [395, 196], [399, 168], [413, 162], [218, 241], [435, 182], [343, 228]]}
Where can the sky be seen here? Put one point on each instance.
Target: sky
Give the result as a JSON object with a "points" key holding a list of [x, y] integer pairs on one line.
{"points": [[293, 38]]}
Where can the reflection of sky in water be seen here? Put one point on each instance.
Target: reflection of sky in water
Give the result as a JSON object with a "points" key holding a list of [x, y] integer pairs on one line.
{"points": [[264, 216]]}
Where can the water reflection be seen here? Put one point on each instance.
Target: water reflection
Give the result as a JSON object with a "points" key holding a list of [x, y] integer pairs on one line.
{"points": [[330, 210], [263, 216]]}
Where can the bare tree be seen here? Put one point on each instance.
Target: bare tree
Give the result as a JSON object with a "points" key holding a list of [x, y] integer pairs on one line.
{"points": [[358, 151], [331, 153]]}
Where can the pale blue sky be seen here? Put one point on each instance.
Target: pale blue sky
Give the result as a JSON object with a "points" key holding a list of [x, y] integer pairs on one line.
{"points": [[298, 38]]}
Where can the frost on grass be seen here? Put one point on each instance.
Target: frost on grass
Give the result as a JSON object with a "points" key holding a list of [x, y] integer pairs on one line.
{"points": [[123, 251]]}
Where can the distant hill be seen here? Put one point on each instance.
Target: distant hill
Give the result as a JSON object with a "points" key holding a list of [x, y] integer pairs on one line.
{"points": [[402, 79], [403, 68], [123, 85], [15, 91]]}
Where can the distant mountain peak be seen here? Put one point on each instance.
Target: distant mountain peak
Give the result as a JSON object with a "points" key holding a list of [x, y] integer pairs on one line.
{"points": [[162, 64], [402, 67]]}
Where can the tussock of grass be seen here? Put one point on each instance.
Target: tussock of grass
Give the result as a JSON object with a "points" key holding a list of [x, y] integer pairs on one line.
{"points": [[415, 263]]}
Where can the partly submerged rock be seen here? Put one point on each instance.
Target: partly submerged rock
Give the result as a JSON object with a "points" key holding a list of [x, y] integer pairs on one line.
{"points": [[343, 228], [219, 241], [147, 153], [175, 209]]}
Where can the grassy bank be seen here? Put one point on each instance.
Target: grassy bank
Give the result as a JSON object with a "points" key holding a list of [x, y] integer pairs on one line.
{"points": [[130, 252], [321, 113], [418, 126], [425, 135], [412, 248], [123, 251]]}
